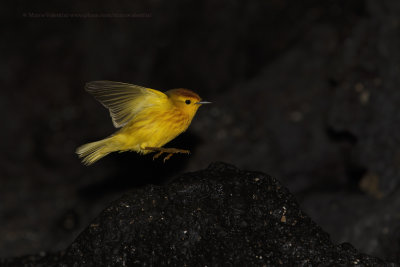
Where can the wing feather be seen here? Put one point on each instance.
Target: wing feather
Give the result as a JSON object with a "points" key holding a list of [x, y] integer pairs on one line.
{"points": [[123, 100]]}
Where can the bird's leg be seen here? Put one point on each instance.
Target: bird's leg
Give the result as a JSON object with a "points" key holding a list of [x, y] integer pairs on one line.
{"points": [[157, 155], [170, 151]]}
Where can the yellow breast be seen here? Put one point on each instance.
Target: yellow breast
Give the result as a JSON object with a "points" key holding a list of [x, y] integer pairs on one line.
{"points": [[152, 130]]}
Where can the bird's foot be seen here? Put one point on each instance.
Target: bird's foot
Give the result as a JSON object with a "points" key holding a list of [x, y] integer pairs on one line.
{"points": [[170, 151]]}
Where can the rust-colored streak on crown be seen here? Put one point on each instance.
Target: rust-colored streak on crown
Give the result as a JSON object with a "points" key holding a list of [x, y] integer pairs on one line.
{"points": [[186, 93]]}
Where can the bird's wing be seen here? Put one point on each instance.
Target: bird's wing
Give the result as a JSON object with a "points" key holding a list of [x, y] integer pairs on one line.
{"points": [[124, 100]]}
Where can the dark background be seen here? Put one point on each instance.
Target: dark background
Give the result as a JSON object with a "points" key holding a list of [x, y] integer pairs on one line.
{"points": [[306, 91]]}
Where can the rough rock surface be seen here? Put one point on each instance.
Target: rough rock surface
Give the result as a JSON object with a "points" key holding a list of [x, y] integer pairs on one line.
{"points": [[220, 215]]}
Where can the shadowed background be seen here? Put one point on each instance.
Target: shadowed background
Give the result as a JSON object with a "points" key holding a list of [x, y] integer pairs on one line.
{"points": [[305, 91]]}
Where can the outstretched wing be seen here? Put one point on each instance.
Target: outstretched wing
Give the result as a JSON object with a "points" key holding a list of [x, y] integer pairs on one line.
{"points": [[124, 100]]}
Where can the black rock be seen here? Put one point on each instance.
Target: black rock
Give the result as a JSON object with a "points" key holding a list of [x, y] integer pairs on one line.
{"points": [[218, 216]]}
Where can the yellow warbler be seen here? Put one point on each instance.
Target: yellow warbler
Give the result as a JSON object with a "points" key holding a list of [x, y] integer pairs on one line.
{"points": [[149, 119]]}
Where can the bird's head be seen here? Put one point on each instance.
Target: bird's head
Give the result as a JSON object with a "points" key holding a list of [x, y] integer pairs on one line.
{"points": [[185, 100]]}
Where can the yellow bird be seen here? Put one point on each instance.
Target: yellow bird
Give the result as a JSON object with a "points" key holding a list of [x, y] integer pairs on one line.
{"points": [[148, 119]]}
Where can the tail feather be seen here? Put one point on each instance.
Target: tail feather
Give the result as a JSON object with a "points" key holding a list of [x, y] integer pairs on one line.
{"points": [[94, 151]]}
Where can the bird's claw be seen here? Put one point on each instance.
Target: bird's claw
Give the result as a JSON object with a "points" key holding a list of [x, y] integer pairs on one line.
{"points": [[168, 157], [170, 151], [157, 155]]}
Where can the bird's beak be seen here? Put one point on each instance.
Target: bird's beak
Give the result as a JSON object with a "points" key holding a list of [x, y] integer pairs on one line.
{"points": [[203, 102]]}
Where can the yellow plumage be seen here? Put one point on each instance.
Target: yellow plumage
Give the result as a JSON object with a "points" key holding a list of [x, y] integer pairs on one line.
{"points": [[149, 118]]}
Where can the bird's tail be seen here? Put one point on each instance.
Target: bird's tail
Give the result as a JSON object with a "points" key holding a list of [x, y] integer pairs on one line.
{"points": [[94, 151]]}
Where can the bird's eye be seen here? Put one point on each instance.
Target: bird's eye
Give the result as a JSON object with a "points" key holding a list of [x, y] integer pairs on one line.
{"points": [[187, 102]]}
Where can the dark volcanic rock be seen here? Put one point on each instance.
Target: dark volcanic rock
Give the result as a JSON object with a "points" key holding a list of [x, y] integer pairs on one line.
{"points": [[221, 215]]}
